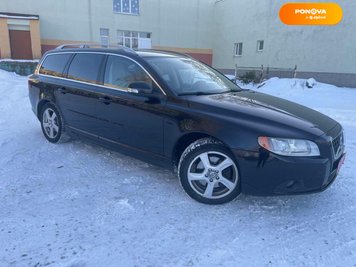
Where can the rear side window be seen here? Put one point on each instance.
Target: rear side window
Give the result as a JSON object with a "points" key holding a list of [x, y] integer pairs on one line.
{"points": [[54, 65], [85, 67]]}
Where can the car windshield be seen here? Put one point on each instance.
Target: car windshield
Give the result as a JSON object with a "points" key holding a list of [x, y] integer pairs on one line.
{"points": [[186, 76]]}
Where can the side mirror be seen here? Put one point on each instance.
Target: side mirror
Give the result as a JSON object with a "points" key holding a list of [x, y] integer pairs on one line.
{"points": [[140, 88]]}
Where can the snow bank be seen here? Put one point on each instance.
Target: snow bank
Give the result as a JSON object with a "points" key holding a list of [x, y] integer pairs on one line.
{"points": [[321, 96], [81, 205], [310, 82]]}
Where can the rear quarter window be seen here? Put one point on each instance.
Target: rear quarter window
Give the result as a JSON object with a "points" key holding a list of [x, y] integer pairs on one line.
{"points": [[86, 67], [54, 65]]}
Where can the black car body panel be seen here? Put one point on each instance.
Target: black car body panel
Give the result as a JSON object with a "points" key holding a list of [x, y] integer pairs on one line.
{"points": [[154, 127]]}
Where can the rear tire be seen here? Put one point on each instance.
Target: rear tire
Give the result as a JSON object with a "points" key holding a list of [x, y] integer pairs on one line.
{"points": [[208, 172], [52, 124]]}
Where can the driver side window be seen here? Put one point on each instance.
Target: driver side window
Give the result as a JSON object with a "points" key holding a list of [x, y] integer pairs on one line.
{"points": [[120, 73]]}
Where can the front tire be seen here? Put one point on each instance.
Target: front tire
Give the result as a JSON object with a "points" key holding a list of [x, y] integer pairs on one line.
{"points": [[208, 172], [52, 124]]}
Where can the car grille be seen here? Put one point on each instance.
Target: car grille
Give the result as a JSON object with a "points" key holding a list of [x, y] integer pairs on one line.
{"points": [[338, 143]]}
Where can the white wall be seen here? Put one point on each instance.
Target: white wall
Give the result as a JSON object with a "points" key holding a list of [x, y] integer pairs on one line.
{"points": [[65, 19], [311, 48], [204, 24], [183, 23]]}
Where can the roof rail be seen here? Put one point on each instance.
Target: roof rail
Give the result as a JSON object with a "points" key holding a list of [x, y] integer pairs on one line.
{"points": [[167, 51], [95, 45], [72, 46]]}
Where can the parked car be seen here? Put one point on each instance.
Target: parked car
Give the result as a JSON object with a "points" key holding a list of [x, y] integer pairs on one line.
{"points": [[168, 109]]}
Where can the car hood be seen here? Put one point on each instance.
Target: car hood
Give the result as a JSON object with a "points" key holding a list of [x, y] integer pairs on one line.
{"points": [[259, 107]]}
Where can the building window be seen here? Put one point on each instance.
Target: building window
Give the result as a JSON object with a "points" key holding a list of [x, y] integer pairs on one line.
{"points": [[260, 45], [238, 49], [134, 40], [127, 6], [104, 37]]}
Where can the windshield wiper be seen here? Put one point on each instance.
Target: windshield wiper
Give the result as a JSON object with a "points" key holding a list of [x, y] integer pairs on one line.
{"points": [[211, 93], [199, 93], [236, 90]]}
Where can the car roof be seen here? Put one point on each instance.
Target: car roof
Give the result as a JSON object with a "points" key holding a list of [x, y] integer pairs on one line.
{"points": [[92, 50], [118, 50]]}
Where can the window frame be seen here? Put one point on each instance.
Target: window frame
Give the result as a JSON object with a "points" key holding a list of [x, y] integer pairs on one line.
{"points": [[123, 89], [236, 50], [104, 36], [62, 74], [259, 45], [99, 75], [130, 8], [131, 37], [101, 69]]}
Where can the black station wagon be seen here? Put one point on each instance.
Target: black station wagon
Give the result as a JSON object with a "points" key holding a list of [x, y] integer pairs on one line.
{"points": [[168, 109]]}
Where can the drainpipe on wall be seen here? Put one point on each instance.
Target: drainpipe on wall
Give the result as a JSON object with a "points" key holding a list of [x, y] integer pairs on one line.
{"points": [[236, 72], [90, 21]]}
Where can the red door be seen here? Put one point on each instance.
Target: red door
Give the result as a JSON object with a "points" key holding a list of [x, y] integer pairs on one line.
{"points": [[20, 42]]}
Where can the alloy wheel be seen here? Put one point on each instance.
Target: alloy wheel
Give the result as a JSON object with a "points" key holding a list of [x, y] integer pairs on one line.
{"points": [[50, 123], [212, 175]]}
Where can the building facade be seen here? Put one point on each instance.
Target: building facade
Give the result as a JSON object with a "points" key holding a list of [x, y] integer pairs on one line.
{"points": [[182, 25], [224, 33], [249, 33]]}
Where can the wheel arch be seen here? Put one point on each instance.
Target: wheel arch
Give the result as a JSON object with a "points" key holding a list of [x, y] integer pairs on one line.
{"points": [[184, 141], [40, 105]]}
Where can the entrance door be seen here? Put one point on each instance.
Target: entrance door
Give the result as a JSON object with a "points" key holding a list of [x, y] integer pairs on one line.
{"points": [[20, 42]]}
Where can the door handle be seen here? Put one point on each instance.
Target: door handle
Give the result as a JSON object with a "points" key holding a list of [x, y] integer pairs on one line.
{"points": [[106, 100], [62, 90]]}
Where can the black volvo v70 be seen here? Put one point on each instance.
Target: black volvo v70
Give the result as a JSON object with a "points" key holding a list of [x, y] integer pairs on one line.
{"points": [[168, 109]]}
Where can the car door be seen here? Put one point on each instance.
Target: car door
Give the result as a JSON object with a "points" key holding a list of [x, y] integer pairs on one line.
{"points": [[125, 117], [77, 95]]}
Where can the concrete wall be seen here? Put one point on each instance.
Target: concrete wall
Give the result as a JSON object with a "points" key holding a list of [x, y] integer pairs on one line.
{"points": [[184, 23], [201, 27], [173, 24], [312, 48]]}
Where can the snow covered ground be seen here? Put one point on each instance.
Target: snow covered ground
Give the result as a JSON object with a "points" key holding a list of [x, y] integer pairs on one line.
{"points": [[81, 205]]}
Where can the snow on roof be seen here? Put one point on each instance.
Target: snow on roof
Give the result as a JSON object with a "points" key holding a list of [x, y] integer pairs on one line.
{"points": [[18, 16], [18, 60]]}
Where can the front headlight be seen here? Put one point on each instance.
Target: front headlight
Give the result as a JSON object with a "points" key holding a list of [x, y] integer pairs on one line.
{"points": [[289, 147]]}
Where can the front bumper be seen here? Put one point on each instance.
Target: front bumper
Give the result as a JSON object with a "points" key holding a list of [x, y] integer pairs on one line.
{"points": [[264, 173]]}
